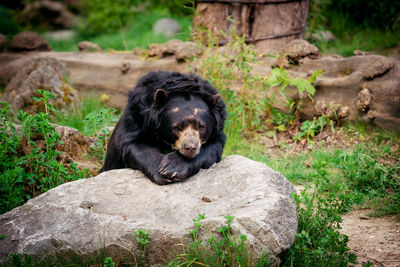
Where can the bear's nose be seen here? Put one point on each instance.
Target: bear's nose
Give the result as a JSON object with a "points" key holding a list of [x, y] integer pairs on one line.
{"points": [[190, 147]]}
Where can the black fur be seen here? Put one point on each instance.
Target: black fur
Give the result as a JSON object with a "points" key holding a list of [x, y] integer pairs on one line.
{"points": [[139, 140]]}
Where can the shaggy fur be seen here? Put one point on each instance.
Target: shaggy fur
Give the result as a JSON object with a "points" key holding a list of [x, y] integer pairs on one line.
{"points": [[143, 137]]}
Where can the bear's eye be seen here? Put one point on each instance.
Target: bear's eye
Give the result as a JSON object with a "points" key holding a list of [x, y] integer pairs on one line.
{"points": [[201, 127], [175, 129]]}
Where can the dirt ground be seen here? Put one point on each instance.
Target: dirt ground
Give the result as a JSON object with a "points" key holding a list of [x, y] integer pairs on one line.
{"points": [[376, 240]]}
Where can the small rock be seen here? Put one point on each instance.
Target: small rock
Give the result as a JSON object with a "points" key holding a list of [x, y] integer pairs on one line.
{"points": [[75, 144], [167, 27], [181, 50], [363, 99], [28, 41], [361, 53], [372, 114], [343, 112], [205, 199], [294, 51], [378, 68], [320, 107], [124, 68], [87, 46], [298, 48]]}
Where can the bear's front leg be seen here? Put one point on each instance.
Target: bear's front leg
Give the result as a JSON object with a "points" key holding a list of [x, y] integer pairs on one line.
{"points": [[176, 167], [147, 159]]}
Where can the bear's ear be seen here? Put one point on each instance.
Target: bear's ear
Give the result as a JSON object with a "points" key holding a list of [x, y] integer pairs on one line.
{"points": [[160, 97], [216, 98]]}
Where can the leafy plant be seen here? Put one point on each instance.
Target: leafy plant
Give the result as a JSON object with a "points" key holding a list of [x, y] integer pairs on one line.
{"points": [[89, 117], [108, 262], [318, 241], [280, 78], [250, 108], [143, 238], [225, 250], [97, 122], [370, 179], [28, 164], [309, 129]]}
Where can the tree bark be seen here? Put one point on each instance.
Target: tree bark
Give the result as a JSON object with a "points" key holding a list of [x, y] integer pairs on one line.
{"points": [[267, 24]]}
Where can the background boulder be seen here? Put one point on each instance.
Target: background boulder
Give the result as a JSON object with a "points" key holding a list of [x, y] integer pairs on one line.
{"points": [[39, 73], [46, 14], [102, 212], [167, 27], [28, 41]]}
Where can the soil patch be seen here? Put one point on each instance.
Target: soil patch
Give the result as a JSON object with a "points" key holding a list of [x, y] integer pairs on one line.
{"points": [[376, 240]]}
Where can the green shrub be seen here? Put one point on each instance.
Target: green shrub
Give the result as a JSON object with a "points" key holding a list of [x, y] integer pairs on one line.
{"points": [[380, 14], [318, 241], [249, 109], [8, 25], [89, 117], [114, 16], [28, 165], [224, 250]]}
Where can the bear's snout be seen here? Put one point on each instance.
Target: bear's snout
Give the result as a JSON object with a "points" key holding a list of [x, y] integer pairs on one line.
{"points": [[191, 149], [188, 143]]}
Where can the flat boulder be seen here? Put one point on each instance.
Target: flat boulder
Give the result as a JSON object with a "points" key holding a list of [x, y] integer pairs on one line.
{"points": [[102, 212]]}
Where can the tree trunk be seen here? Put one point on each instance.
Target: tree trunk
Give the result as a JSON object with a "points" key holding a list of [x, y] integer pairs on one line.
{"points": [[267, 24]]}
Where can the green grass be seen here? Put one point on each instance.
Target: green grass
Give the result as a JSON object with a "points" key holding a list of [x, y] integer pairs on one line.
{"points": [[357, 172], [351, 37], [89, 117], [138, 33]]}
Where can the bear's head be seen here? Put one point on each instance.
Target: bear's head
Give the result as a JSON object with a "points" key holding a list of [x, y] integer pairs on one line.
{"points": [[186, 121]]}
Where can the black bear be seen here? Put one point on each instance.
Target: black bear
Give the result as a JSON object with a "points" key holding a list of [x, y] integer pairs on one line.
{"points": [[171, 127]]}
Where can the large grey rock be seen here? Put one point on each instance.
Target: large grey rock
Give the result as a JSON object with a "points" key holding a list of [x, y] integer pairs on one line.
{"points": [[102, 212]]}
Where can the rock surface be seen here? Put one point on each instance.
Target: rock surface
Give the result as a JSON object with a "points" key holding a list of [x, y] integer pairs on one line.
{"points": [[111, 74], [39, 73], [367, 87], [102, 212], [338, 88], [86, 46], [28, 41], [181, 50]]}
